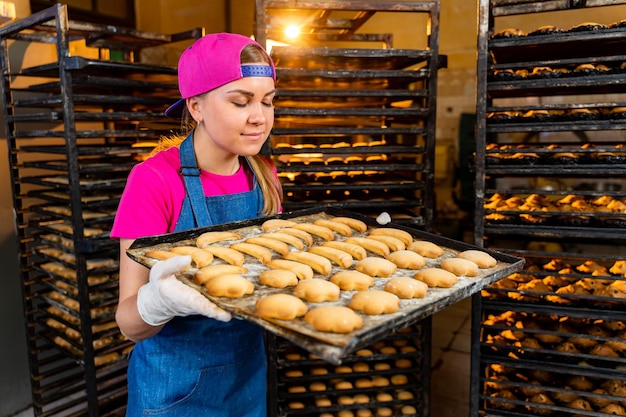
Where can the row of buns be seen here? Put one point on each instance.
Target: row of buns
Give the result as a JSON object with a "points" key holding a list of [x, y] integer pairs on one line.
{"points": [[552, 29], [540, 390], [310, 264], [569, 338]]}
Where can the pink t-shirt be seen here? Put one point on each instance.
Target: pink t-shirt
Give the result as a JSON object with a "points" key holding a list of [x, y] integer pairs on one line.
{"points": [[154, 194]]}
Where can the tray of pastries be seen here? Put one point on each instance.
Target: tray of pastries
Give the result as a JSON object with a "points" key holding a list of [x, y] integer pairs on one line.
{"points": [[328, 280]]}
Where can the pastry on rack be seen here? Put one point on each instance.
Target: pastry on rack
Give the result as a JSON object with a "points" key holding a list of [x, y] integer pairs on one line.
{"points": [[508, 33], [545, 30]]}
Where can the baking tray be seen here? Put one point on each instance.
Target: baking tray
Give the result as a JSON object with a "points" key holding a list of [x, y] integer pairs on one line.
{"points": [[330, 346]]}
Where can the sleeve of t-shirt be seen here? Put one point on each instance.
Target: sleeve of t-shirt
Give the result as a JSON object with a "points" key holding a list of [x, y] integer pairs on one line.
{"points": [[146, 207]]}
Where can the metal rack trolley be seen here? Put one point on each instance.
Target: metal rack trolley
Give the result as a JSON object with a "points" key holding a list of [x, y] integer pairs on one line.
{"points": [[354, 129], [355, 125], [72, 127], [546, 341]]}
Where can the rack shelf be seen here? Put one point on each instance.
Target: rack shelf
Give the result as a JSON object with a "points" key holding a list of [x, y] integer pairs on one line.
{"points": [[546, 148]]}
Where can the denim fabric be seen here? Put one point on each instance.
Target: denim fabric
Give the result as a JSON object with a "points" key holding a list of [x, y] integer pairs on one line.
{"points": [[196, 366]]}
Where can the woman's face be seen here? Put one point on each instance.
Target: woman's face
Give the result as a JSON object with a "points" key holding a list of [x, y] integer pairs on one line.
{"points": [[237, 116]]}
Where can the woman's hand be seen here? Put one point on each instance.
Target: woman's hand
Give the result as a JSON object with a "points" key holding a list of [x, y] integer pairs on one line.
{"points": [[165, 297]]}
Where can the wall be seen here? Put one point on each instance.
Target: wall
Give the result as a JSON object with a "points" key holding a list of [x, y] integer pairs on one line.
{"points": [[14, 378]]}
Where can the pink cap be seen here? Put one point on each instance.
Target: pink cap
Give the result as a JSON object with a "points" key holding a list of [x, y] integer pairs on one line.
{"points": [[211, 62]]}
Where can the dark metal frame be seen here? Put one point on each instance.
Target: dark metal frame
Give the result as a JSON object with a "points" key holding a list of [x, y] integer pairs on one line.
{"points": [[70, 375], [324, 27], [492, 54]]}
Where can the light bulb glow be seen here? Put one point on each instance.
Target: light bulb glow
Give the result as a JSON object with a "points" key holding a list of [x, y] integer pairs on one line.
{"points": [[292, 31]]}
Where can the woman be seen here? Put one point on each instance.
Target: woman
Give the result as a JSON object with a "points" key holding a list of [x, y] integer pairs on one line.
{"points": [[190, 359]]}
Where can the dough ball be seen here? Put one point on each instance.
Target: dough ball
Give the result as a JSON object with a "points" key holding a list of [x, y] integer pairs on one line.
{"points": [[281, 306], [334, 319], [374, 302], [352, 280], [480, 258], [317, 290], [460, 267], [436, 277], [406, 287], [376, 267], [407, 259]]}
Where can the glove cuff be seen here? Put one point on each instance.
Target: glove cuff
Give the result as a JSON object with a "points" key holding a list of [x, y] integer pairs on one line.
{"points": [[150, 306]]}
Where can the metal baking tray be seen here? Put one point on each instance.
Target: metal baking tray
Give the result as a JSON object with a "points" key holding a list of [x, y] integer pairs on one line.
{"points": [[330, 346]]}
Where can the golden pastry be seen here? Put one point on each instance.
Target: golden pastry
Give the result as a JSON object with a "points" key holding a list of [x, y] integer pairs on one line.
{"points": [[355, 224], [405, 287], [425, 248], [407, 259], [199, 257], [338, 256], [480, 258], [229, 255], [203, 275], [352, 280], [336, 319], [356, 251], [436, 277], [339, 227], [394, 243], [460, 267], [370, 245], [319, 263], [272, 224], [376, 267], [230, 285], [281, 306], [317, 290], [317, 230], [209, 238], [375, 302], [403, 235], [302, 271], [278, 278], [276, 245], [286, 238], [262, 253]]}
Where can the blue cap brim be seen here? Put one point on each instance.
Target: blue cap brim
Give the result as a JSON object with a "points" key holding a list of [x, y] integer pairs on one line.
{"points": [[175, 111]]}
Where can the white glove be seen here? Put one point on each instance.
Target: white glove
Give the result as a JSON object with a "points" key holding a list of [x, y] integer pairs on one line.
{"points": [[165, 297], [383, 218]]}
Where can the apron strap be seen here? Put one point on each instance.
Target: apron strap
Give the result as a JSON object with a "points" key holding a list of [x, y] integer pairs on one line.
{"points": [[191, 177]]}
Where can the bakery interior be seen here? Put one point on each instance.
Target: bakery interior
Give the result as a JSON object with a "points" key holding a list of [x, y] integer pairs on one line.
{"points": [[507, 133]]}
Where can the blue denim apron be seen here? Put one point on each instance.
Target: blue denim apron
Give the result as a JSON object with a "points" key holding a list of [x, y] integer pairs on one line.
{"points": [[196, 366]]}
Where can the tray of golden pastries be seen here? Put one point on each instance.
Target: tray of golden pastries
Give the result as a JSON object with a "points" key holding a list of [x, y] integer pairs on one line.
{"points": [[329, 280]]}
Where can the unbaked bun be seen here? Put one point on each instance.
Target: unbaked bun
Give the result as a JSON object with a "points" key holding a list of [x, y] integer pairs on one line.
{"points": [[334, 319], [280, 306], [374, 302]]}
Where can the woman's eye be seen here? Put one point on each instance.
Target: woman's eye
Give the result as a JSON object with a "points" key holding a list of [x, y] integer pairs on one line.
{"points": [[268, 103], [240, 104]]}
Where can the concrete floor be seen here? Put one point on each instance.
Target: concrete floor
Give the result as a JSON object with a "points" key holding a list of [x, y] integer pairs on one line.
{"points": [[450, 377]]}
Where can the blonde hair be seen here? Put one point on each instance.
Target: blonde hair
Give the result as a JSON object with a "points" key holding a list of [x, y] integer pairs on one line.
{"points": [[261, 165]]}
